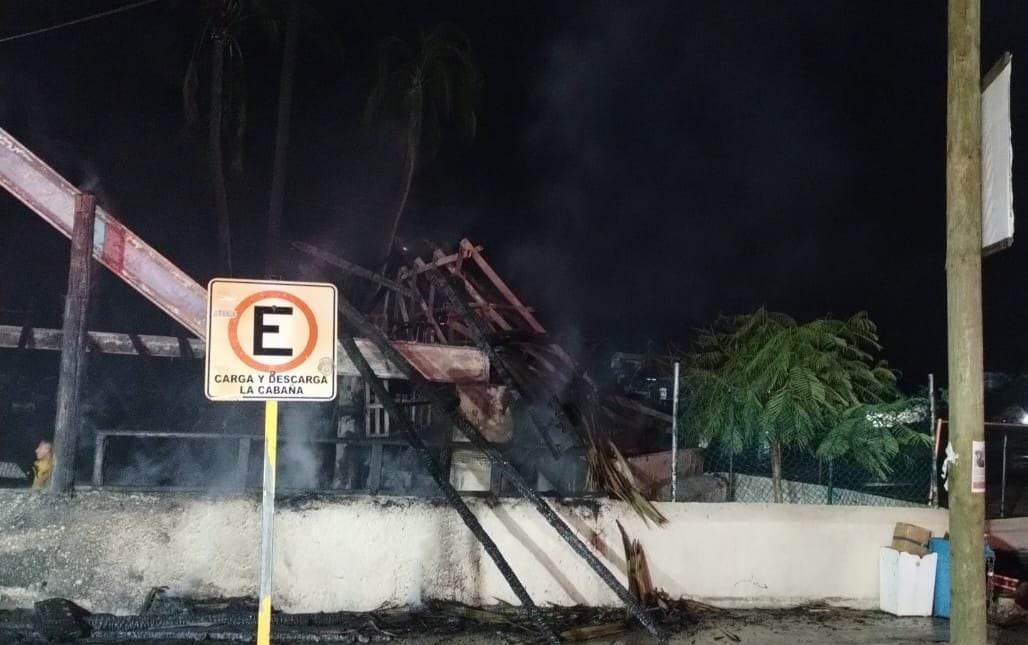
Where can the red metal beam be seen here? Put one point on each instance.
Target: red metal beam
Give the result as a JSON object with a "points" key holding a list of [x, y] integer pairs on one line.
{"points": [[52, 197]]}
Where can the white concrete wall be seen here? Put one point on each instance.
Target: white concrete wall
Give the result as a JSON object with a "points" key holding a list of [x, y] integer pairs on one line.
{"points": [[106, 550]]}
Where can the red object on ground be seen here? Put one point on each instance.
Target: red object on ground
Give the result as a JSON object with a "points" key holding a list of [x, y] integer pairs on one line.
{"points": [[1005, 585]]}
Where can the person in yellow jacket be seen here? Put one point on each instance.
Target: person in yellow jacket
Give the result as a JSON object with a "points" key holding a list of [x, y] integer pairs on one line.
{"points": [[44, 465]]}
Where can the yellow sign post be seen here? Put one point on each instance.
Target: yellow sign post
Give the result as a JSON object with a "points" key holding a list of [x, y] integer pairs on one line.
{"points": [[271, 342], [267, 521]]}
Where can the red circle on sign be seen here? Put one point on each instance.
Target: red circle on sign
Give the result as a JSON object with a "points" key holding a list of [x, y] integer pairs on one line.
{"points": [[233, 331]]}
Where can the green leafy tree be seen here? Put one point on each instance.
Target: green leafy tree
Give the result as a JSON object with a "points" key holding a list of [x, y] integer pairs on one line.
{"points": [[429, 84], [763, 378]]}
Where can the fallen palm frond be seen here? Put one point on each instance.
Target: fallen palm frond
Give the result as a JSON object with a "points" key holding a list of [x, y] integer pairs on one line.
{"points": [[581, 410], [609, 470]]}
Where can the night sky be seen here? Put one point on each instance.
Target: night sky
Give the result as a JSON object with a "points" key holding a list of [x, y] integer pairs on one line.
{"points": [[640, 166]]}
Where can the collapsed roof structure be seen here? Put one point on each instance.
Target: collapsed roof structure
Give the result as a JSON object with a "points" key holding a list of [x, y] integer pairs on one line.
{"points": [[539, 397], [444, 322]]}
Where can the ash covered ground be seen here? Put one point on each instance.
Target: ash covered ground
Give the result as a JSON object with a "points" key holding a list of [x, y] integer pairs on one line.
{"points": [[174, 621]]}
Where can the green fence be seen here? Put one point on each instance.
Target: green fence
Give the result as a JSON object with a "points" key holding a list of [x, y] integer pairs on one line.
{"points": [[807, 480]]}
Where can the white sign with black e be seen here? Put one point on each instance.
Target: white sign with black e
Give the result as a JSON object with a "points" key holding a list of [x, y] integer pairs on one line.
{"points": [[270, 341]]}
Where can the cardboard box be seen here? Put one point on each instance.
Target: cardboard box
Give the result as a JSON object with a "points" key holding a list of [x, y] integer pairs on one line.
{"points": [[906, 585], [911, 539]]}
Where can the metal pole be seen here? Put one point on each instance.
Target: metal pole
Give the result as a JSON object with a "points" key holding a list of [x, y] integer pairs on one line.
{"points": [[731, 477], [964, 318], [674, 439], [933, 484], [931, 398], [831, 484], [267, 521], [1003, 485], [73, 346]]}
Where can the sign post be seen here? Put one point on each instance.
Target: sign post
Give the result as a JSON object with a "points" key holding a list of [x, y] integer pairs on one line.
{"points": [[267, 521], [271, 342]]}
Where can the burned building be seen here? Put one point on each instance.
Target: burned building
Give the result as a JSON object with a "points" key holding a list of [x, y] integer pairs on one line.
{"points": [[446, 311]]}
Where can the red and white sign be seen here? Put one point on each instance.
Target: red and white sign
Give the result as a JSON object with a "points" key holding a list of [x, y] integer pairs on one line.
{"points": [[270, 341]]}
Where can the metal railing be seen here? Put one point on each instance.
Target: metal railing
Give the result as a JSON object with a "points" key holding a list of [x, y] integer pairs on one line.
{"points": [[376, 445], [366, 471]]}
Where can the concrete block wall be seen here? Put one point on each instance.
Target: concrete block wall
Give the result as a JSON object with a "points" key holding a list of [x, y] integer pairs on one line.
{"points": [[107, 549]]}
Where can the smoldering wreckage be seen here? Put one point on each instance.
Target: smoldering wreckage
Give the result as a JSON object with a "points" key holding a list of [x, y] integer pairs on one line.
{"points": [[440, 352]]}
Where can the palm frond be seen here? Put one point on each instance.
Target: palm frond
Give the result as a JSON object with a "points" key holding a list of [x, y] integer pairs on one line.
{"points": [[438, 79]]}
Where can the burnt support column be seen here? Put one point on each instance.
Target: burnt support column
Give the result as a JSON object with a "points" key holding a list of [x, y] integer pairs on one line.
{"points": [[449, 407], [348, 408], [73, 346], [449, 492], [480, 337]]}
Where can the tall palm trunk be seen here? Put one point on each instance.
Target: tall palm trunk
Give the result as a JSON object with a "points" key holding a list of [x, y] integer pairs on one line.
{"points": [[413, 139], [776, 471], [278, 174], [214, 152]]}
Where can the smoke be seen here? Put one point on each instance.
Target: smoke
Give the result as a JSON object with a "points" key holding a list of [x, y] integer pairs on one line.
{"points": [[303, 465], [672, 159], [179, 463], [213, 464]]}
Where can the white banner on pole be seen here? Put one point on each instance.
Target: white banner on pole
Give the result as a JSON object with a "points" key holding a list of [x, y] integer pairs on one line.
{"points": [[997, 159]]}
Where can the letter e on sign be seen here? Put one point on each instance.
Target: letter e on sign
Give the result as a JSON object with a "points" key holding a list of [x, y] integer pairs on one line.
{"points": [[270, 341]]}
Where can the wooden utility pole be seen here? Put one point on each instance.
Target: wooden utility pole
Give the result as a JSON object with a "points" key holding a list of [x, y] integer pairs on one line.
{"points": [[964, 319], [73, 345]]}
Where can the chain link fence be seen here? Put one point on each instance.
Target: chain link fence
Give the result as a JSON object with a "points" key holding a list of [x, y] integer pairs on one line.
{"points": [[808, 480]]}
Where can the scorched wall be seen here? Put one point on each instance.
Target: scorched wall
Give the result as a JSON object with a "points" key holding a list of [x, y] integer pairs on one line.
{"points": [[107, 549]]}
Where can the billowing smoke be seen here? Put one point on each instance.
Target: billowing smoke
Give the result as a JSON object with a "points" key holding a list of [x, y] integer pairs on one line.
{"points": [[304, 465], [668, 154]]}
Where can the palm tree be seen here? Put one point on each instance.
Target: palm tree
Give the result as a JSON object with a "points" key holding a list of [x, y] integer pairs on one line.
{"points": [[278, 173], [765, 379], [224, 22], [429, 84]]}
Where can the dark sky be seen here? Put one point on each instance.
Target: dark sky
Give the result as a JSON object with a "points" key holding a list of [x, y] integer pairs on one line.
{"points": [[640, 167]]}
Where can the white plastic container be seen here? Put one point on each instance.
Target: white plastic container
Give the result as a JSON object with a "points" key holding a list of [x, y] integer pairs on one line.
{"points": [[470, 471], [906, 586]]}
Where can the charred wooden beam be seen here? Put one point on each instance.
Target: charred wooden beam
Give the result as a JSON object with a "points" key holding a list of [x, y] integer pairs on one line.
{"points": [[488, 308], [631, 404], [501, 286], [73, 346], [440, 261], [349, 267], [480, 337], [105, 342], [448, 406], [426, 309], [437, 363], [435, 470]]}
